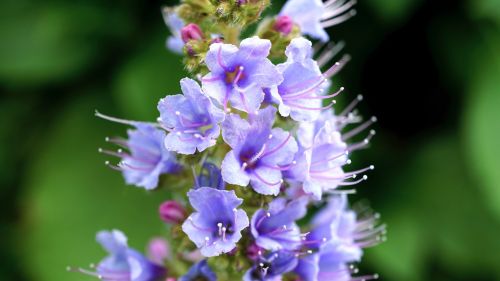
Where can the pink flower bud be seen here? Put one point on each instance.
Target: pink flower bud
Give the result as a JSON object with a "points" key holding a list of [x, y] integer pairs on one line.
{"points": [[191, 32], [283, 24], [172, 212], [158, 250]]}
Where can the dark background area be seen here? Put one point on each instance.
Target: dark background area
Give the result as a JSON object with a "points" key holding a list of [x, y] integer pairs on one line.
{"points": [[429, 70]]}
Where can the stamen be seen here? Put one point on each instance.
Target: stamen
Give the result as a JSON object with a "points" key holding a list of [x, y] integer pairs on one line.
{"points": [[261, 219], [328, 96], [277, 148], [266, 182], [365, 177], [334, 10], [219, 60], [345, 153], [337, 67], [116, 168], [122, 121], [280, 168], [311, 108], [339, 19], [199, 227], [329, 53], [363, 143], [359, 129]]}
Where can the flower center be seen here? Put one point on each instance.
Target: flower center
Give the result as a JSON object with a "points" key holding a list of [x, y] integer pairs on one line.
{"points": [[232, 77]]}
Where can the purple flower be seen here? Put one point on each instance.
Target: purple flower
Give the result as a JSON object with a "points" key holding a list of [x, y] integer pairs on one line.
{"points": [[337, 237], [275, 229], [210, 175], [192, 119], [271, 266], [259, 153], [174, 24], [146, 158], [313, 16], [315, 267], [216, 225], [123, 263], [322, 154], [238, 75], [199, 272], [301, 92]]}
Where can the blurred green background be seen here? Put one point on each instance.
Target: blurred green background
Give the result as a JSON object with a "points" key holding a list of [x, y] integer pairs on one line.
{"points": [[429, 70]]}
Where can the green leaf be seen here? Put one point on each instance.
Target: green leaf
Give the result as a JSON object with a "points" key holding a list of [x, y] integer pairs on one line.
{"points": [[71, 194]]}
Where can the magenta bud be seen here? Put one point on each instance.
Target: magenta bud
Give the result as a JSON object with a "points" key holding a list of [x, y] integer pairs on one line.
{"points": [[172, 212], [254, 252], [158, 250], [191, 32], [283, 24]]}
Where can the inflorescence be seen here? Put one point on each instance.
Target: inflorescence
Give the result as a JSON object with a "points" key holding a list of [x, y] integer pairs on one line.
{"points": [[261, 158]]}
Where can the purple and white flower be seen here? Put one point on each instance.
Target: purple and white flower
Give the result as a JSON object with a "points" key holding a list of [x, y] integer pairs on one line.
{"points": [[275, 228], [175, 24], [216, 225], [239, 75], [146, 158], [199, 271], [259, 153], [323, 152], [300, 95], [210, 175], [313, 16], [191, 118], [271, 266], [337, 238], [123, 263]]}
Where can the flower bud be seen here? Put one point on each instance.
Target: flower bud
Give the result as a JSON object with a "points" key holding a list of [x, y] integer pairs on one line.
{"points": [[191, 32], [283, 24], [172, 212], [158, 250]]}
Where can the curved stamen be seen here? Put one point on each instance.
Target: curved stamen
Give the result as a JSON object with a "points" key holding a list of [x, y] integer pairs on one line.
{"points": [[280, 146], [199, 227], [351, 105], [280, 168], [261, 219], [345, 153], [311, 108], [361, 144], [328, 96], [359, 129], [122, 121], [337, 66], [339, 19], [329, 53], [335, 10], [131, 167], [220, 62], [365, 177], [266, 182]]}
